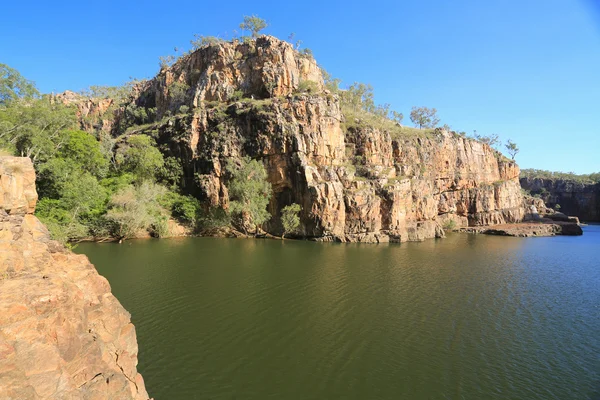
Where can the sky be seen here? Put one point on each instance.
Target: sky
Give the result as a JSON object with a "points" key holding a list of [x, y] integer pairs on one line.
{"points": [[526, 70]]}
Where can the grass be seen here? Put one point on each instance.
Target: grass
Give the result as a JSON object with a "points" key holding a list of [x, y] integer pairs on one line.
{"points": [[362, 119]]}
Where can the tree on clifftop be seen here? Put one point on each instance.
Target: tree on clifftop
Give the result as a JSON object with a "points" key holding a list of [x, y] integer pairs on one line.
{"points": [[424, 117], [512, 148], [254, 24]]}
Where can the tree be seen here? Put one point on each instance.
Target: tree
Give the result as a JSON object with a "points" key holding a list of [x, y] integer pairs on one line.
{"points": [[13, 86], [35, 128], [200, 41], [85, 152], [254, 24], [136, 208], [491, 140], [139, 156], [359, 96], [249, 192], [397, 117], [290, 219], [512, 148], [424, 117]]}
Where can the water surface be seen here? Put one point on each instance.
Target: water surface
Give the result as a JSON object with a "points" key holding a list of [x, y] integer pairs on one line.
{"points": [[466, 317]]}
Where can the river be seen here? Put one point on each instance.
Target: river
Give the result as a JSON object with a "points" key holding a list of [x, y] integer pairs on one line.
{"points": [[466, 317]]}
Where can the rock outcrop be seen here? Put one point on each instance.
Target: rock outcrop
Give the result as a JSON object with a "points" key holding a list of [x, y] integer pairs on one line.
{"points": [[574, 198], [355, 180], [63, 335]]}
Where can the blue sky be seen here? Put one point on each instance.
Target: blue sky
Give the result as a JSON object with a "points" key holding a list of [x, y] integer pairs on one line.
{"points": [[528, 70]]}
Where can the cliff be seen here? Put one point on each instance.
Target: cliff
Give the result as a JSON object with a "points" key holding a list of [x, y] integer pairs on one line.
{"points": [[63, 335], [356, 180], [575, 198]]}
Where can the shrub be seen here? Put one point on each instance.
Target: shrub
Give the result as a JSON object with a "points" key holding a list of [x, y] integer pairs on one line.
{"points": [[290, 219], [306, 86], [449, 225], [249, 192]]}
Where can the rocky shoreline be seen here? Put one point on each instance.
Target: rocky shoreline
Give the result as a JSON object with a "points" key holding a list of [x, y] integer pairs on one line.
{"points": [[63, 335]]}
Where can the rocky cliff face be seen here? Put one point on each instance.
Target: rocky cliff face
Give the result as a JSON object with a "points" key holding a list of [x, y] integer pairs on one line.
{"points": [[354, 181], [575, 198], [63, 335]]}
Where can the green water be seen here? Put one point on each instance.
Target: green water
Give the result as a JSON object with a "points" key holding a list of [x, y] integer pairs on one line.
{"points": [[467, 317]]}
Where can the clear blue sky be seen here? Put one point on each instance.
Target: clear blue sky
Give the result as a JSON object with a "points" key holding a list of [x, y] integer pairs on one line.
{"points": [[528, 70]]}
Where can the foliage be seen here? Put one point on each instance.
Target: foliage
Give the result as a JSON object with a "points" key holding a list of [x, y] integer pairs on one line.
{"points": [[307, 52], [567, 176], [290, 219], [249, 192], [165, 62], [424, 117], [139, 156], [512, 148], [13, 86], [449, 225], [177, 93], [306, 86], [200, 41], [332, 84], [491, 140], [397, 117], [186, 209], [359, 96], [254, 24], [35, 128], [557, 207], [136, 208]]}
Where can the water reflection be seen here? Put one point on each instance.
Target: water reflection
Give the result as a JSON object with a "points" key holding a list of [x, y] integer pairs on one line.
{"points": [[465, 317]]}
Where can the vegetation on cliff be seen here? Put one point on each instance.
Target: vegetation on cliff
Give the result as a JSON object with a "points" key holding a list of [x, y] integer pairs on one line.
{"points": [[565, 176], [209, 150]]}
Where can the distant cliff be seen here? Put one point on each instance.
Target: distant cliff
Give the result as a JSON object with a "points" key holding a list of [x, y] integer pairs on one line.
{"points": [[575, 198], [62, 333], [355, 180]]}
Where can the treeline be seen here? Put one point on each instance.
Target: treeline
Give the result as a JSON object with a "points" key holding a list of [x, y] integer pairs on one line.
{"points": [[567, 176]]}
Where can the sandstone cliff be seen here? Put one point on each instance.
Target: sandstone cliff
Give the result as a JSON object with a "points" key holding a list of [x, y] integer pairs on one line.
{"points": [[575, 198], [63, 335], [355, 181]]}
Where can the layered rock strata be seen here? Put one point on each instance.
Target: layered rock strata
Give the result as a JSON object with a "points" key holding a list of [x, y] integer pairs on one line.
{"points": [[63, 335], [355, 180]]}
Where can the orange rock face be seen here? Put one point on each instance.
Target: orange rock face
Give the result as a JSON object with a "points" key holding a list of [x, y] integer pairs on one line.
{"points": [[354, 182], [63, 335]]}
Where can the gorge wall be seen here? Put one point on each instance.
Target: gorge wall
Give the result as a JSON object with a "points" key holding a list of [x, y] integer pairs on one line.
{"points": [[355, 180], [63, 335], [574, 198]]}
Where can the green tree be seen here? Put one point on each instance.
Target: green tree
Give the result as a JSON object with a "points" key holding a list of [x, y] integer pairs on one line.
{"points": [[397, 117], [512, 148], [249, 193], [491, 140], [254, 24], [290, 218], [139, 156], [84, 150], [137, 208], [200, 41], [424, 117], [14, 86], [359, 96], [35, 128]]}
